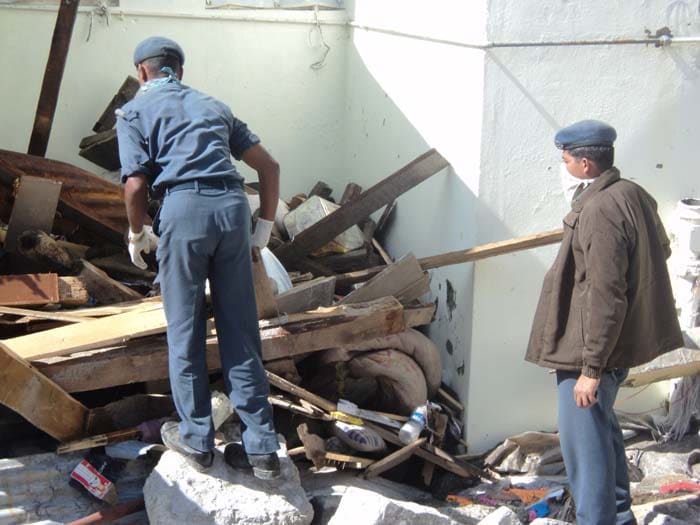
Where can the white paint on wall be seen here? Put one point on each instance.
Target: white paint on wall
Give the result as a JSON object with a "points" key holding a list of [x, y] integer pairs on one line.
{"points": [[260, 69]]}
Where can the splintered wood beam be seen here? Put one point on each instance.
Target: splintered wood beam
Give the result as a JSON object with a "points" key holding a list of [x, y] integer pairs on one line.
{"points": [[307, 296], [39, 400], [368, 202], [34, 208], [48, 99]]}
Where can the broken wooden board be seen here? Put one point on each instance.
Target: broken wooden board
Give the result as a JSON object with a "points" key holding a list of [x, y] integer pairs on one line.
{"points": [[29, 289], [39, 314], [351, 193], [307, 296], [126, 92], [681, 362], [72, 292], [264, 296], [94, 203], [90, 334], [53, 74], [34, 208], [394, 279], [39, 400], [322, 190], [371, 200], [101, 149], [140, 305], [434, 455], [393, 459], [103, 288], [147, 360]]}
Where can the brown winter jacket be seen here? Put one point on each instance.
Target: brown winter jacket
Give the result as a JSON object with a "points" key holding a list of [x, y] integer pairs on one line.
{"points": [[606, 302]]}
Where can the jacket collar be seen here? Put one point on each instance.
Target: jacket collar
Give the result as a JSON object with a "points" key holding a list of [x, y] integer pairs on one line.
{"points": [[605, 179]]}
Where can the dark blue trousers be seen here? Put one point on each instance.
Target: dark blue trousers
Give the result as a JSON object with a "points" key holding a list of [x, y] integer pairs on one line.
{"points": [[594, 452], [205, 233]]}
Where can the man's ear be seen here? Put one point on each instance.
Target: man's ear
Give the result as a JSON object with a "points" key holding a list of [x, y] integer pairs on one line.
{"points": [[142, 73], [180, 72]]}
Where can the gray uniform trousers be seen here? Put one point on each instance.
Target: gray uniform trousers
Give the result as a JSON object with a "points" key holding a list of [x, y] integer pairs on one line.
{"points": [[206, 233], [594, 452]]}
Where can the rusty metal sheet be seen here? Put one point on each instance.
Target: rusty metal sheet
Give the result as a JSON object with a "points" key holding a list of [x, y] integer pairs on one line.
{"points": [[92, 202], [34, 208]]}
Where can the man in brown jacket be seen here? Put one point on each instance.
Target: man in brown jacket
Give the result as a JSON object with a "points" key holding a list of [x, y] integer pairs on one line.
{"points": [[606, 305]]}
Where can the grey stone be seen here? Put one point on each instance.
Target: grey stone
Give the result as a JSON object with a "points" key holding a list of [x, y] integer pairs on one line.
{"points": [[367, 507], [663, 519], [684, 509], [175, 492], [501, 516], [548, 521]]}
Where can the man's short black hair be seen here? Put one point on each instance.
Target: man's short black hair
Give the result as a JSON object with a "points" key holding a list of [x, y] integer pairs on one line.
{"points": [[603, 156], [155, 64]]}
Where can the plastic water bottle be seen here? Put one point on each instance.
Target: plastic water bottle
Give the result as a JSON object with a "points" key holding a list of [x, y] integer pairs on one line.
{"points": [[412, 428]]}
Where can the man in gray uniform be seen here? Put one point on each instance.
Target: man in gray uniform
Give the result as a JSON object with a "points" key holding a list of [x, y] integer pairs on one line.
{"points": [[606, 305], [179, 142]]}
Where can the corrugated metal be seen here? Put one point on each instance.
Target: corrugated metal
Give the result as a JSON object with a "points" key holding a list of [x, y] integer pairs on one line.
{"points": [[34, 489]]}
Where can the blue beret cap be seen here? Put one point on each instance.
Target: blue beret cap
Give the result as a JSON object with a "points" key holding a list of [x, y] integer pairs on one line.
{"points": [[158, 46], [585, 133]]}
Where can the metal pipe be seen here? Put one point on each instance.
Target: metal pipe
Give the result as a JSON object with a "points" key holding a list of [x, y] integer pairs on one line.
{"points": [[292, 17], [662, 41]]}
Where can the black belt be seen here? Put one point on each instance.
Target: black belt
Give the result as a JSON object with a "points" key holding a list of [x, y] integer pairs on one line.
{"points": [[203, 184]]}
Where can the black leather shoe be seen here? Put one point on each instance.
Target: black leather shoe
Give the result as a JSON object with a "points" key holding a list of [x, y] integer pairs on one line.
{"points": [[265, 466], [170, 433]]}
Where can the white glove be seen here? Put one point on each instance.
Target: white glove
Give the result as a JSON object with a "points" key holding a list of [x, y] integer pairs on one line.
{"points": [[144, 241], [261, 235]]}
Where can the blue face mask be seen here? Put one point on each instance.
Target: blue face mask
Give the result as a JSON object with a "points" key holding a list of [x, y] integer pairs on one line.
{"points": [[157, 82]]}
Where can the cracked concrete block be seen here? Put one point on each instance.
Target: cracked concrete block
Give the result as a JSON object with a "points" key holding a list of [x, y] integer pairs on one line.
{"points": [[370, 508], [501, 516], [177, 493]]}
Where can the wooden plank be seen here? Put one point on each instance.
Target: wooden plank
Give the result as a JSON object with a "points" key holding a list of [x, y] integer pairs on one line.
{"points": [[300, 392], [126, 92], [101, 149], [34, 208], [264, 297], [415, 290], [345, 460], [29, 289], [473, 254], [307, 296], [427, 452], [351, 193], [367, 321], [99, 440], [392, 280], [38, 314], [438, 436], [383, 222], [48, 98], [382, 252], [321, 189], [371, 200], [682, 362], [108, 221], [491, 250], [444, 394], [39, 400], [72, 292], [393, 459], [90, 334], [147, 360], [140, 305]]}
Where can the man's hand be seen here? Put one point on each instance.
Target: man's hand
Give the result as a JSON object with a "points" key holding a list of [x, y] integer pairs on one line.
{"points": [[585, 391], [261, 235], [143, 241]]}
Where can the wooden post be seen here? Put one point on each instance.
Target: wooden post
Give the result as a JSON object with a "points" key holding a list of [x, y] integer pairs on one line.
{"points": [[53, 75]]}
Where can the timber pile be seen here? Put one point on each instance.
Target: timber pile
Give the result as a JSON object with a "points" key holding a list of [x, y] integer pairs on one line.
{"points": [[76, 316]]}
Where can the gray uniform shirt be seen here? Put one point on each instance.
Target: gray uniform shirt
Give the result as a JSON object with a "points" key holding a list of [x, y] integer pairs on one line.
{"points": [[173, 133]]}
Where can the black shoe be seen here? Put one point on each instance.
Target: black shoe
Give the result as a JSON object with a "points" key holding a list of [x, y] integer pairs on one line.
{"points": [[170, 434], [265, 466]]}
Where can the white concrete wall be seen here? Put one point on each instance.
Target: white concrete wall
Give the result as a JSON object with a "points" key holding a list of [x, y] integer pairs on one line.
{"points": [[650, 95], [261, 69], [405, 96]]}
